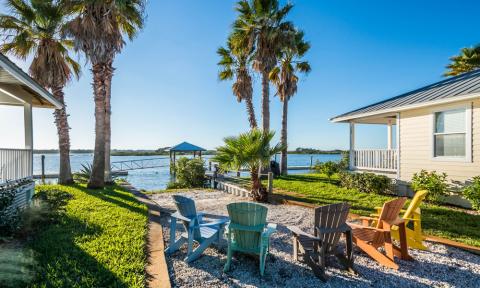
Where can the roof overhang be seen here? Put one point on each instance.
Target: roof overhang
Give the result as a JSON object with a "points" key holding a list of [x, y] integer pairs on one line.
{"points": [[363, 117], [18, 88]]}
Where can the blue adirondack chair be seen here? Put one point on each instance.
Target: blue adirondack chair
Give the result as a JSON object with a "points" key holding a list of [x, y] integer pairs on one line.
{"points": [[248, 231], [204, 233]]}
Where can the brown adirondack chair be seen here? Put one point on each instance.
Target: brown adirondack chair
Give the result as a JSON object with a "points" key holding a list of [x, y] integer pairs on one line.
{"points": [[330, 224], [369, 238]]}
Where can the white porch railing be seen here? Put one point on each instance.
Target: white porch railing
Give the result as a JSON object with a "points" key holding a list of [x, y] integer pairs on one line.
{"points": [[376, 159], [15, 164]]}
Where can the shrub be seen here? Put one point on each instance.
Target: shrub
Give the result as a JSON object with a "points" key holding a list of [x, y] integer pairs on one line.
{"points": [[345, 162], [9, 215], [84, 174], [190, 173], [327, 168], [366, 182], [435, 183], [472, 192]]}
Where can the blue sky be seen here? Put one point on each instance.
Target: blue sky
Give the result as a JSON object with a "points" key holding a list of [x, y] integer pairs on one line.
{"points": [[166, 90]]}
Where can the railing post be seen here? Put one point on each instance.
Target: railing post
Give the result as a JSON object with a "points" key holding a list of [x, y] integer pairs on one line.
{"points": [[43, 169], [352, 146]]}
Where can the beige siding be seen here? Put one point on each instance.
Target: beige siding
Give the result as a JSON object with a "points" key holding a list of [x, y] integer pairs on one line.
{"points": [[416, 128]]}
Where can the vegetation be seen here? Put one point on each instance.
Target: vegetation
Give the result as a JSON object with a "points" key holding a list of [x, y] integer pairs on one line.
{"points": [[285, 79], [328, 168], [437, 220], [9, 216], [98, 241], [34, 28], [84, 174], [189, 173], [468, 60], [261, 28], [433, 182], [98, 30], [472, 192], [250, 150], [234, 62], [365, 182]]}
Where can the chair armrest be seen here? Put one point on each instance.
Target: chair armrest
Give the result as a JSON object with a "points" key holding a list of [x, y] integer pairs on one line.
{"points": [[180, 217], [297, 231], [357, 226], [367, 218], [341, 229], [214, 223]]}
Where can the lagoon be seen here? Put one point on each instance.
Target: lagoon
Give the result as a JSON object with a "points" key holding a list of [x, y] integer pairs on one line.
{"points": [[157, 178]]}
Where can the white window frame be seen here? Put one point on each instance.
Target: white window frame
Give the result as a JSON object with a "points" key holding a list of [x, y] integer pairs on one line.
{"points": [[468, 133]]}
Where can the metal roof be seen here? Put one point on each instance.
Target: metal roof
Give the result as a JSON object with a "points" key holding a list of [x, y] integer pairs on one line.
{"points": [[186, 147], [14, 82], [451, 89]]}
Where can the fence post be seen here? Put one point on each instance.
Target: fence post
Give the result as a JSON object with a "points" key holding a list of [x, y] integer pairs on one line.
{"points": [[270, 183], [43, 169], [209, 165], [215, 175], [311, 162]]}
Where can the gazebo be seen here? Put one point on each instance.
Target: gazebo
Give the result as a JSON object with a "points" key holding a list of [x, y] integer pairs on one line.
{"points": [[185, 147]]}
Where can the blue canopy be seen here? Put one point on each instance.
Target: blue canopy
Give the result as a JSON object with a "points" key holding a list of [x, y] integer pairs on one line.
{"points": [[186, 147]]}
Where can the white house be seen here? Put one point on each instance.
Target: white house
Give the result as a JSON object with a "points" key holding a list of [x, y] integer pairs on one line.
{"points": [[437, 128], [19, 89]]}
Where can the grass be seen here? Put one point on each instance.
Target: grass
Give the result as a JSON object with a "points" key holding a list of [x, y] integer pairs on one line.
{"points": [[444, 221], [99, 242]]}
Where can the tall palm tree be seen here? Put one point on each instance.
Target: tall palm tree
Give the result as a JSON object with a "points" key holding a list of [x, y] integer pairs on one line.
{"points": [[285, 79], [33, 28], [98, 31], [251, 150], [468, 60], [235, 63], [263, 28]]}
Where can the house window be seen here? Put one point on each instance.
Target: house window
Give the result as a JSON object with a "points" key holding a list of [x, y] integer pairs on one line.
{"points": [[450, 133]]}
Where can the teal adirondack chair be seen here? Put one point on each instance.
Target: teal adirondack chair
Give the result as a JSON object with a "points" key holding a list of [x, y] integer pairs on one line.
{"points": [[248, 231], [204, 233]]}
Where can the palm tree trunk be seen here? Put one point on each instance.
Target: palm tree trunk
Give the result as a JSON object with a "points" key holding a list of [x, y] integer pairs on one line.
{"points": [[283, 138], [61, 121], [256, 184], [108, 112], [265, 102], [251, 113], [97, 177]]}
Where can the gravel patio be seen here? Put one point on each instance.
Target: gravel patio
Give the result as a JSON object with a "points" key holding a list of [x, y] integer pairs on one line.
{"points": [[440, 266]]}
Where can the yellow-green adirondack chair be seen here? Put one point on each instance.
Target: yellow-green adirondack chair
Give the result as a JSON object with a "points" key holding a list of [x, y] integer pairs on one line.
{"points": [[413, 215], [248, 232]]}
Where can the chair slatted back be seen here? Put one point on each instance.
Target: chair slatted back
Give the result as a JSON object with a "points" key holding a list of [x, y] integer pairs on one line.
{"points": [[186, 207], [415, 204], [390, 211], [248, 221], [331, 217]]}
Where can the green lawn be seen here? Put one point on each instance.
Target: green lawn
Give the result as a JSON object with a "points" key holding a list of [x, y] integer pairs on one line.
{"points": [[437, 220], [99, 242]]}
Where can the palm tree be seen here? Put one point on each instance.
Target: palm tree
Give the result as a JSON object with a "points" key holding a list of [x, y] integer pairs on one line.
{"points": [[98, 31], [250, 150], [33, 28], [284, 78], [261, 27], [234, 63], [468, 60]]}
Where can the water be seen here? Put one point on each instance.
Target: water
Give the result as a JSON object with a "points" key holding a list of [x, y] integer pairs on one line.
{"points": [[157, 178]]}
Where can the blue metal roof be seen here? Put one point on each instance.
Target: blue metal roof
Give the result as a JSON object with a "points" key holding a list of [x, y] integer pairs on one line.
{"points": [[186, 147]]}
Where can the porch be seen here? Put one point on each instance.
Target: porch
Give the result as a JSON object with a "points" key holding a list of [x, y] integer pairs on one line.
{"points": [[381, 161]]}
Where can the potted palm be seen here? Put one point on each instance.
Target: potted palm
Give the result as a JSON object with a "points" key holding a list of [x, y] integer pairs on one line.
{"points": [[250, 150]]}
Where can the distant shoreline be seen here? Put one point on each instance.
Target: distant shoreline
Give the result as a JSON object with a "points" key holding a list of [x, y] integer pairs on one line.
{"points": [[166, 153]]}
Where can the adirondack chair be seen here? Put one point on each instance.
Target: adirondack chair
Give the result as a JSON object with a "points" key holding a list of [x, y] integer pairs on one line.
{"points": [[204, 233], [329, 225], [411, 215], [248, 232], [369, 238]]}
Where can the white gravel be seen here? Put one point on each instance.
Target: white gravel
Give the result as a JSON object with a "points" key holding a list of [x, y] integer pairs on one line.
{"points": [[440, 266]]}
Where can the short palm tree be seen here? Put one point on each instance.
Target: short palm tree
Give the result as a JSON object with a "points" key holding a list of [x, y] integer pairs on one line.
{"points": [[98, 30], [285, 79], [468, 60], [33, 28], [261, 26], [251, 150], [235, 63]]}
